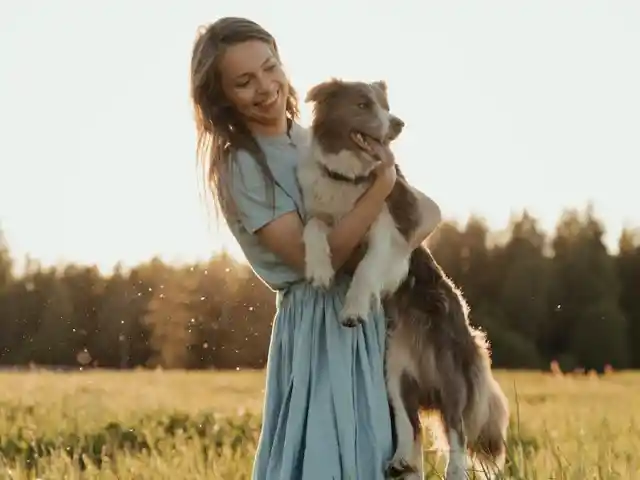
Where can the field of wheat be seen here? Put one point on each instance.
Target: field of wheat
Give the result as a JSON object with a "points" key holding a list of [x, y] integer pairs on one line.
{"points": [[192, 425]]}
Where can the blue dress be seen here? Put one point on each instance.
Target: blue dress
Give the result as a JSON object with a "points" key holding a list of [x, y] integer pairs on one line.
{"points": [[326, 413]]}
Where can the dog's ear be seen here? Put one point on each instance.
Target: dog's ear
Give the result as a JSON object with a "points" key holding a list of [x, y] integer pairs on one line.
{"points": [[382, 85], [322, 91]]}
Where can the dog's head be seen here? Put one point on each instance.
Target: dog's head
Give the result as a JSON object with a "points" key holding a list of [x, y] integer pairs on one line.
{"points": [[346, 113]]}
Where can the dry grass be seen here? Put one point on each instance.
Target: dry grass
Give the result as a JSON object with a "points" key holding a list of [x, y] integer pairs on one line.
{"points": [[191, 425]]}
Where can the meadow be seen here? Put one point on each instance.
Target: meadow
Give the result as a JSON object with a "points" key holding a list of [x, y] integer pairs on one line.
{"points": [[204, 425]]}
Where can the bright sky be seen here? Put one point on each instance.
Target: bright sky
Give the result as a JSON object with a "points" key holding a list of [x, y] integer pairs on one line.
{"points": [[508, 105]]}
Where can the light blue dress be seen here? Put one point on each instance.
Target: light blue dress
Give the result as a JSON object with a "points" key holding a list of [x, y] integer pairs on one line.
{"points": [[326, 414]]}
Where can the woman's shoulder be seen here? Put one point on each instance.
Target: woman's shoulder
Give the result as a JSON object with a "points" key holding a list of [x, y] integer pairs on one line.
{"points": [[300, 135], [243, 170], [278, 166]]}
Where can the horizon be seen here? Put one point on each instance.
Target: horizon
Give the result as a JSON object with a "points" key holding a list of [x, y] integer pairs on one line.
{"points": [[496, 237], [508, 114]]}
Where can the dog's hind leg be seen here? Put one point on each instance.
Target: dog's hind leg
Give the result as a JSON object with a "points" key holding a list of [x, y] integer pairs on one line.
{"points": [[417, 460], [453, 402], [457, 458], [405, 413]]}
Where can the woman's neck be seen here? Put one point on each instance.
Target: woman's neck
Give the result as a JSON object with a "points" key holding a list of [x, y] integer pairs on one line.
{"points": [[269, 130]]}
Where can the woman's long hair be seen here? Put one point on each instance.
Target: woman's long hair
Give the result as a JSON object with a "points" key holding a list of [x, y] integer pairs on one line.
{"points": [[219, 127]]}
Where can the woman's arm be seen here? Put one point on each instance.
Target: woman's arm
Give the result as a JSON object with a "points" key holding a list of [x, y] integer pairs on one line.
{"points": [[283, 236], [431, 221], [345, 239], [431, 218]]}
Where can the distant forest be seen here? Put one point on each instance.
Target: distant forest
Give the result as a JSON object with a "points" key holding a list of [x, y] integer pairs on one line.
{"points": [[541, 297]]}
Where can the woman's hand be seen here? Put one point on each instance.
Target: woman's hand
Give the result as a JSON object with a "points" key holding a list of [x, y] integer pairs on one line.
{"points": [[385, 177], [385, 171]]}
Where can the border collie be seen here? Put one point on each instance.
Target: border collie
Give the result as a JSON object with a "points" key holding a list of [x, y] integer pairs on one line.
{"points": [[435, 360]]}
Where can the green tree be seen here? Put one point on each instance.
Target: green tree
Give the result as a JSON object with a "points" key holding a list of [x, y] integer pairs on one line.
{"points": [[563, 297], [584, 293], [628, 266]]}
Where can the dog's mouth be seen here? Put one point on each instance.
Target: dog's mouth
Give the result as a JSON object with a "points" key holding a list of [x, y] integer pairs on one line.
{"points": [[365, 141]]}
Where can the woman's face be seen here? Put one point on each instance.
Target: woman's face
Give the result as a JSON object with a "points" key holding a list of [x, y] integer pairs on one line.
{"points": [[254, 82]]}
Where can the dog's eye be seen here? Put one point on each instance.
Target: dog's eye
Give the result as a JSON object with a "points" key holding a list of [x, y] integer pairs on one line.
{"points": [[363, 105]]}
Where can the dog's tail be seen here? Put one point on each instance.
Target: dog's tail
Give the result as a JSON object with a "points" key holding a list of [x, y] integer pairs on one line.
{"points": [[487, 413]]}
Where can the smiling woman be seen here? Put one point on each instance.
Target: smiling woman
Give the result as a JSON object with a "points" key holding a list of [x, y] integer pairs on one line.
{"points": [[259, 93], [326, 413]]}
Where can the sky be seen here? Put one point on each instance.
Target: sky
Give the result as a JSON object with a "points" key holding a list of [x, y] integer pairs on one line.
{"points": [[508, 105]]}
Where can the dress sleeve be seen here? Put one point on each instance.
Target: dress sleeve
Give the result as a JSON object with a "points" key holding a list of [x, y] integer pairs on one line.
{"points": [[251, 196]]}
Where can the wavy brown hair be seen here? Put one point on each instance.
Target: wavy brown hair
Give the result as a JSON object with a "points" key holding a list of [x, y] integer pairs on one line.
{"points": [[219, 127]]}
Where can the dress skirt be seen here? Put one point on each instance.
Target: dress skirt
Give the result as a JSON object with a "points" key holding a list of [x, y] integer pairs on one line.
{"points": [[326, 413]]}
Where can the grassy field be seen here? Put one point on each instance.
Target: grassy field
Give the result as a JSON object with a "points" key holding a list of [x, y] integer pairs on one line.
{"points": [[191, 425]]}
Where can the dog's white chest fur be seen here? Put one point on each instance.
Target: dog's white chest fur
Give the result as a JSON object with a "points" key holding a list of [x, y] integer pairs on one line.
{"points": [[386, 262], [323, 195]]}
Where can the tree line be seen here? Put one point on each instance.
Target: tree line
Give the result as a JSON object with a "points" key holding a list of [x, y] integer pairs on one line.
{"points": [[540, 296]]}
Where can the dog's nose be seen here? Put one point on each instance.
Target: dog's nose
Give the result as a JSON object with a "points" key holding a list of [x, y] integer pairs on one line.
{"points": [[397, 123]]}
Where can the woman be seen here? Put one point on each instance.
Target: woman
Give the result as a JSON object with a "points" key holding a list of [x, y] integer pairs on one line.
{"points": [[326, 414]]}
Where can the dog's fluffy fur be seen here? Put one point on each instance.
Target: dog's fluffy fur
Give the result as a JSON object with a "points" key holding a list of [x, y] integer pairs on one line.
{"points": [[434, 359]]}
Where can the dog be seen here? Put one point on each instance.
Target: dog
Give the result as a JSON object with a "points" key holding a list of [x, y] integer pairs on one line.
{"points": [[334, 174], [435, 360]]}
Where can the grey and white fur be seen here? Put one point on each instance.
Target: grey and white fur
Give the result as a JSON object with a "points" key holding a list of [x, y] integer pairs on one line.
{"points": [[435, 360]]}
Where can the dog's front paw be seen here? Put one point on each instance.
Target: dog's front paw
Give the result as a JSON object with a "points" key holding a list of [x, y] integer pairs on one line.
{"points": [[352, 317], [356, 308], [351, 321], [400, 467], [321, 275], [319, 270]]}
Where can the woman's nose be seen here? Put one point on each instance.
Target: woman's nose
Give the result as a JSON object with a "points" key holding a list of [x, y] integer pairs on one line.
{"points": [[264, 84]]}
